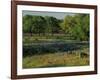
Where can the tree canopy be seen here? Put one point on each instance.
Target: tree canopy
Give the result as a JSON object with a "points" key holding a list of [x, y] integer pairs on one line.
{"points": [[76, 26]]}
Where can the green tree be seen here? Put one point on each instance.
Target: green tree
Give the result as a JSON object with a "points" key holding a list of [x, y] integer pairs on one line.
{"points": [[38, 24], [52, 25], [66, 25], [76, 26], [27, 24], [80, 30]]}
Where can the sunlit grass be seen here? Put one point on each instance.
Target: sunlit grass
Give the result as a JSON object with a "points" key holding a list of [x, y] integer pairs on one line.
{"points": [[70, 58]]}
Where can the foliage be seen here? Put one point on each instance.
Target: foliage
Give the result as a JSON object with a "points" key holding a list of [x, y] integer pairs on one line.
{"points": [[27, 24], [76, 26], [80, 30]]}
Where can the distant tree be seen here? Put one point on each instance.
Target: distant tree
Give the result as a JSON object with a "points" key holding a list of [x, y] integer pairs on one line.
{"points": [[80, 30], [76, 26], [38, 24], [48, 24], [86, 26], [27, 24], [52, 25], [67, 24]]}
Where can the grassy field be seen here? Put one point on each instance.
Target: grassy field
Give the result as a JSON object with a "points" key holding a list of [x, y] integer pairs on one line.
{"points": [[54, 51], [46, 38], [71, 58]]}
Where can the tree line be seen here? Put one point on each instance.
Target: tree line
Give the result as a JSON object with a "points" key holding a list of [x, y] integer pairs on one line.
{"points": [[76, 26]]}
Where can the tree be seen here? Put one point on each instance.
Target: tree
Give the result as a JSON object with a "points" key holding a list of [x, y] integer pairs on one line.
{"points": [[38, 24], [68, 24], [33, 24], [80, 30], [52, 25], [27, 24], [86, 26], [76, 26]]}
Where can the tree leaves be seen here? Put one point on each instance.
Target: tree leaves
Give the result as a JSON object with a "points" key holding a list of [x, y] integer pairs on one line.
{"points": [[76, 26]]}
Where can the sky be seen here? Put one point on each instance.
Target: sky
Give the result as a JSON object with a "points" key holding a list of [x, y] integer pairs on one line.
{"points": [[58, 15]]}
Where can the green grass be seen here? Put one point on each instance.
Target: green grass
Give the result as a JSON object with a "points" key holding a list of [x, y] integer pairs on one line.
{"points": [[70, 58], [45, 38]]}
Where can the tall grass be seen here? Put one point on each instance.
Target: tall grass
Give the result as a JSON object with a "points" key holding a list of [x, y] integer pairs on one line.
{"points": [[70, 58]]}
